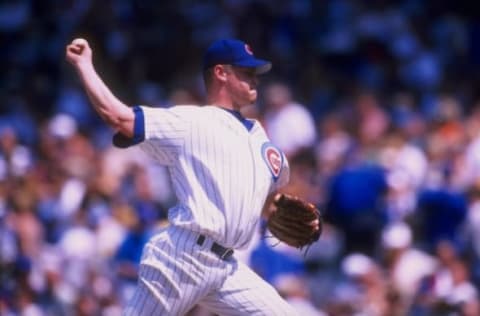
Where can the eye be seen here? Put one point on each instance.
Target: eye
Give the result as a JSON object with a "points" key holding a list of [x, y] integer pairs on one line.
{"points": [[246, 72], [250, 72]]}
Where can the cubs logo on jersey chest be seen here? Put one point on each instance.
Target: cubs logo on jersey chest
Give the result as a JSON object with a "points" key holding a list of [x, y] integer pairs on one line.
{"points": [[273, 158]]}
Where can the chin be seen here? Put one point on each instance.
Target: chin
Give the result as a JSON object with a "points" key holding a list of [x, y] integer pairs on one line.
{"points": [[253, 97]]}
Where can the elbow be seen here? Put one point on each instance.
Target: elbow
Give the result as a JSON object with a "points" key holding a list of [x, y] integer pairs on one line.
{"points": [[118, 123]]}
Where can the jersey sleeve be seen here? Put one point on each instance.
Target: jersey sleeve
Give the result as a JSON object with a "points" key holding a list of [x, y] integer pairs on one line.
{"points": [[159, 132], [284, 175]]}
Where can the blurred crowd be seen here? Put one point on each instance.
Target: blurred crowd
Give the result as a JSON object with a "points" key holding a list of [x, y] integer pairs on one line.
{"points": [[375, 103]]}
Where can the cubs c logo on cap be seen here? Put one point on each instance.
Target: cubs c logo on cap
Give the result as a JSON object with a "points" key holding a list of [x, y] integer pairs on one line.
{"points": [[248, 49], [273, 158]]}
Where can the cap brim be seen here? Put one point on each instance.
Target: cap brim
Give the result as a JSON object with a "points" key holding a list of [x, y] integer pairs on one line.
{"points": [[261, 66]]}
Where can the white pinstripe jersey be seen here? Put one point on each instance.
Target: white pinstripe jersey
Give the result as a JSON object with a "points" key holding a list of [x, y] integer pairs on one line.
{"points": [[221, 172]]}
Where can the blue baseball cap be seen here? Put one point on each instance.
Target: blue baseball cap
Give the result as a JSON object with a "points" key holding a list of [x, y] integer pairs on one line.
{"points": [[236, 53]]}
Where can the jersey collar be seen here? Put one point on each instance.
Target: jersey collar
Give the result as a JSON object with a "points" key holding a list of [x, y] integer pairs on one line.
{"points": [[245, 122]]}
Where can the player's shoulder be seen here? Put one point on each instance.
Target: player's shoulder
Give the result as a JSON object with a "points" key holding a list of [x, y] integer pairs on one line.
{"points": [[210, 113], [201, 115], [183, 110], [186, 108], [194, 109], [259, 130]]}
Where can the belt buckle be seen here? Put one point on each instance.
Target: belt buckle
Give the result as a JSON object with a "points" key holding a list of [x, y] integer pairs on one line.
{"points": [[226, 254]]}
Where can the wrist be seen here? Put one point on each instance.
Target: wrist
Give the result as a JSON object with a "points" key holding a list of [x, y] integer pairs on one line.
{"points": [[83, 66]]}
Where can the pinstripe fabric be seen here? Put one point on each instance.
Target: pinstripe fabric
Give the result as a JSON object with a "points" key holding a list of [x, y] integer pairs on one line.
{"points": [[176, 274], [217, 169], [245, 293], [221, 178]]}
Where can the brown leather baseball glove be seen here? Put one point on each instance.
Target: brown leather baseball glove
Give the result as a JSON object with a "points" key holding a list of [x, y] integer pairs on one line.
{"points": [[294, 221]]}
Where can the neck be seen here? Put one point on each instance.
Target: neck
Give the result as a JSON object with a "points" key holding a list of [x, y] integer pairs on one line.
{"points": [[222, 101]]}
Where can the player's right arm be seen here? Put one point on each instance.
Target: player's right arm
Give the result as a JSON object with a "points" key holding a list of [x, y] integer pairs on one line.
{"points": [[111, 110]]}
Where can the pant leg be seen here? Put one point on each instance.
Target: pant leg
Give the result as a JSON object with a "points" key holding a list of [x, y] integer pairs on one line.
{"points": [[174, 274], [245, 293]]}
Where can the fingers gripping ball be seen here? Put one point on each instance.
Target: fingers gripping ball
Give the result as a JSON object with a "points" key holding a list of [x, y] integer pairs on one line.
{"points": [[78, 52], [294, 221], [80, 44]]}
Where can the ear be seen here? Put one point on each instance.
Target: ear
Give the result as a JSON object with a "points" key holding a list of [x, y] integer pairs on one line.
{"points": [[220, 73]]}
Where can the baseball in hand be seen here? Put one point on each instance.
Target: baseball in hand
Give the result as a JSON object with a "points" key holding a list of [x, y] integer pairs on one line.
{"points": [[79, 41], [78, 51], [79, 44]]}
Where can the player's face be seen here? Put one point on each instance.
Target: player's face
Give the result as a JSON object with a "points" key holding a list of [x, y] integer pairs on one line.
{"points": [[242, 85]]}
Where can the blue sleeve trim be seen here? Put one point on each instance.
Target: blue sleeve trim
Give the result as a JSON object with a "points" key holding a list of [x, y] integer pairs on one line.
{"points": [[138, 125], [121, 141]]}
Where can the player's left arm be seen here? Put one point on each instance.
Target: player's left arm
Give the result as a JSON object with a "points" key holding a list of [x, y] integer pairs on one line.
{"points": [[268, 206], [280, 182], [290, 219]]}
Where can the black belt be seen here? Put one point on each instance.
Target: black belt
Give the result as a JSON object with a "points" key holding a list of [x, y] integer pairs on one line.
{"points": [[222, 252]]}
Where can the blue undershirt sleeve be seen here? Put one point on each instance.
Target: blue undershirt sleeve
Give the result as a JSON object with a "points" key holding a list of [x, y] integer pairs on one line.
{"points": [[122, 141]]}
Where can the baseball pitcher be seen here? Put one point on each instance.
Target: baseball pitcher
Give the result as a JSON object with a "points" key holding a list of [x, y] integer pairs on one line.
{"points": [[224, 171]]}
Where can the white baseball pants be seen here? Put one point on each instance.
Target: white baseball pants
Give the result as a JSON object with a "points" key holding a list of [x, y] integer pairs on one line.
{"points": [[176, 273]]}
